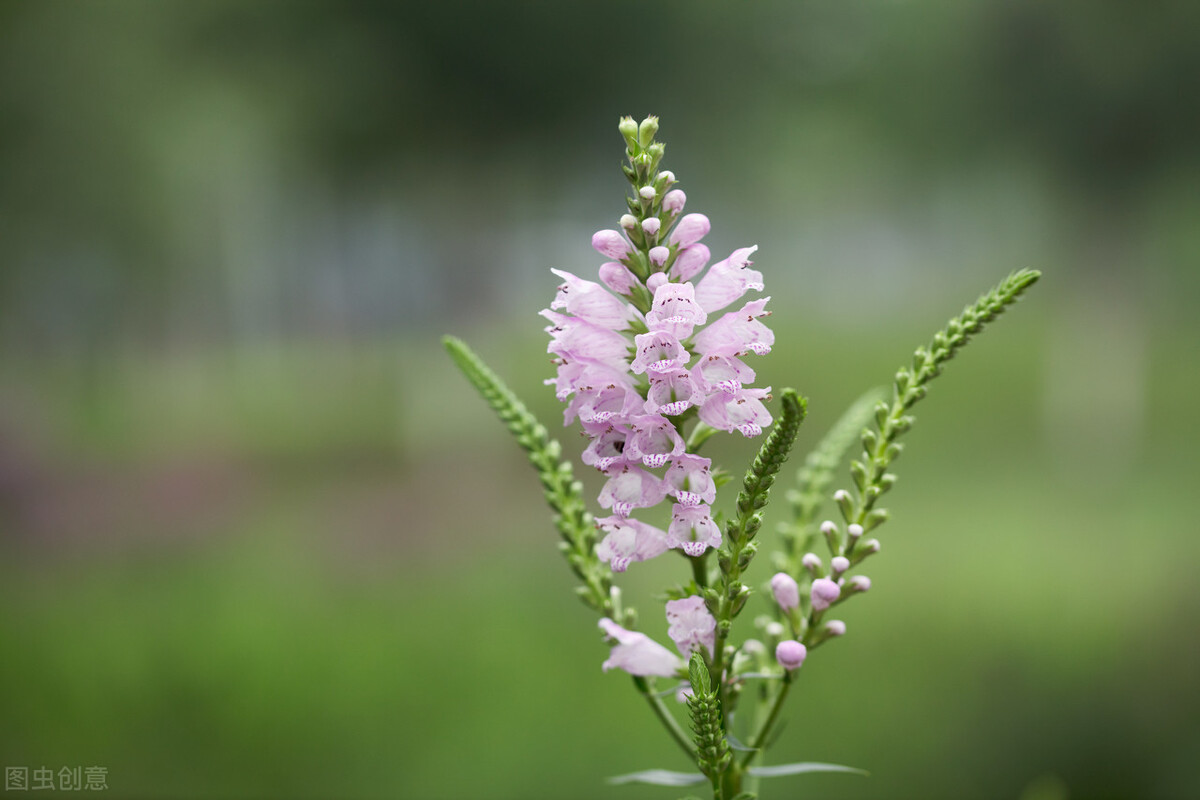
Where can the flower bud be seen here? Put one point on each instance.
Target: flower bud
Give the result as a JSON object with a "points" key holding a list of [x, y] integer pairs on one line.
{"points": [[659, 255], [824, 592], [646, 131], [859, 583], [835, 627], [790, 654], [647, 192], [830, 531], [691, 229], [666, 177], [629, 130], [616, 277], [656, 280], [854, 531], [812, 563], [628, 221], [786, 591], [651, 226], [872, 546], [610, 243], [673, 201], [774, 630], [839, 564], [753, 647]]}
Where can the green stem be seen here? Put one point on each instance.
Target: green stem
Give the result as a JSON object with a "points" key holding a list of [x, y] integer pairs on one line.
{"points": [[664, 716], [765, 729], [700, 569]]}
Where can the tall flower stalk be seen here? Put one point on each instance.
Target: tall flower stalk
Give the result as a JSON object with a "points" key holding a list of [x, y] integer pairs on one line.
{"points": [[652, 359]]}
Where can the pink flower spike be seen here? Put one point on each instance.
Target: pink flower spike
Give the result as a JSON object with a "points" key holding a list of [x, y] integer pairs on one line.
{"points": [[790, 654], [692, 529], [654, 440], [691, 625], [611, 244], [690, 261], [651, 225], [616, 276], [659, 255], [637, 653], [658, 351], [689, 480], [726, 281], [629, 488], [629, 540], [690, 229], [673, 201], [824, 592], [786, 591]]}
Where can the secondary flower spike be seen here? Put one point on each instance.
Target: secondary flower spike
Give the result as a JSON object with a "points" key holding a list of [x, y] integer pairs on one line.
{"points": [[648, 351]]}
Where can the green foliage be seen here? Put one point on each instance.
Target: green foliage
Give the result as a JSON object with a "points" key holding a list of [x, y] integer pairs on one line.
{"points": [[563, 493], [712, 751]]}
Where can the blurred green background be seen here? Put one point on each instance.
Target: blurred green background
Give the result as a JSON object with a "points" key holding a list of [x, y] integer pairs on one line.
{"points": [[257, 539]]}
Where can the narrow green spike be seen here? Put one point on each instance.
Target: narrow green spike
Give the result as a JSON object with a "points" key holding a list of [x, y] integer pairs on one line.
{"points": [[563, 493], [879, 451]]}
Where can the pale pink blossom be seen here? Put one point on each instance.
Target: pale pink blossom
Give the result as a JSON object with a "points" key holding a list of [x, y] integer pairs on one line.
{"points": [[691, 625], [692, 529], [638, 654], [628, 540], [590, 302], [743, 411], [671, 393], [628, 488], [654, 440], [675, 310], [689, 480], [658, 351], [726, 281], [738, 332]]}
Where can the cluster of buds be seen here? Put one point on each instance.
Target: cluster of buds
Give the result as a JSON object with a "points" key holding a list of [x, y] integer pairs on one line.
{"points": [[642, 353]]}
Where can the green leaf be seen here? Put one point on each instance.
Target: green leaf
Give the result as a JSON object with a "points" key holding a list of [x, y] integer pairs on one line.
{"points": [[801, 767], [660, 777]]}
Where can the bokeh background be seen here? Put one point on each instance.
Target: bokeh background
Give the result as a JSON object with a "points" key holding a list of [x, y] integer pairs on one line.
{"points": [[257, 538]]}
